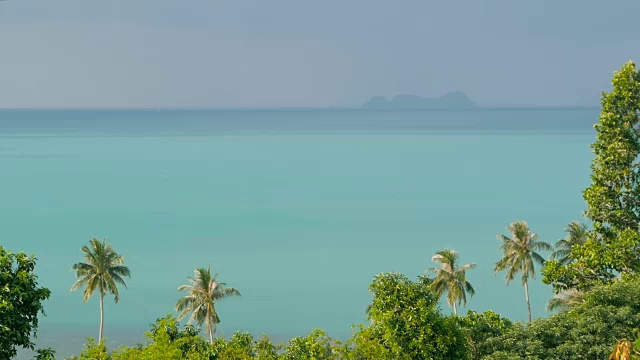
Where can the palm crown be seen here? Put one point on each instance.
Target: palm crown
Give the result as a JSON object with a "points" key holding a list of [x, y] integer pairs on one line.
{"points": [[102, 270], [451, 279], [203, 291], [577, 234], [520, 252]]}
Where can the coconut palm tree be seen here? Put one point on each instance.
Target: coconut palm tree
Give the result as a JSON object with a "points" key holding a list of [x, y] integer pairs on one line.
{"points": [[102, 270], [203, 291], [566, 300], [576, 235], [450, 279], [520, 254]]}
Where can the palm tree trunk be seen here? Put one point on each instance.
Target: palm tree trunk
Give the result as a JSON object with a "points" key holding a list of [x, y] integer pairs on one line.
{"points": [[526, 293], [455, 309], [209, 325], [101, 318]]}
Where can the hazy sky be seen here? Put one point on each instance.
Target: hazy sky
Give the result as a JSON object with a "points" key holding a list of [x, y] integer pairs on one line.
{"points": [[269, 53]]}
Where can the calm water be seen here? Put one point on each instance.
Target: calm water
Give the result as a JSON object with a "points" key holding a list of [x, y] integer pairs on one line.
{"points": [[297, 209]]}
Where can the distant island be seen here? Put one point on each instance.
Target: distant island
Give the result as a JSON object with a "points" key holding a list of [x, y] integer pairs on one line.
{"points": [[452, 100]]}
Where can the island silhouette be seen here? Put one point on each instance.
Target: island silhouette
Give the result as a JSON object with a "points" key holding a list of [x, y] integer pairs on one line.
{"points": [[451, 100]]}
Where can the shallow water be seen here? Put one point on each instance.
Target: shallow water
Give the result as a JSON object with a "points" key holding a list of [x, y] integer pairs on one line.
{"points": [[299, 220]]}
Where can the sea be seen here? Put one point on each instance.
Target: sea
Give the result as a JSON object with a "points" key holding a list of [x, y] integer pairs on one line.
{"points": [[298, 209]]}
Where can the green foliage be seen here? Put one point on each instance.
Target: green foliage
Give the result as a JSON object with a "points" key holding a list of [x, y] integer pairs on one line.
{"points": [[451, 279], [168, 341], [45, 354], [406, 323], [241, 346], [93, 351], [363, 345], [161, 348], [597, 262], [187, 339], [203, 291], [588, 270], [172, 328], [266, 350], [20, 302], [587, 331], [477, 327], [613, 198], [316, 346]]}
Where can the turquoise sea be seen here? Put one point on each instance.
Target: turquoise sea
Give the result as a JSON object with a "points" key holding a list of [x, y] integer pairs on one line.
{"points": [[298, 209]]}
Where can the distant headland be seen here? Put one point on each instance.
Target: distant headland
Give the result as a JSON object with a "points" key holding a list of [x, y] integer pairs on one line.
{"points": [[452, 100]]}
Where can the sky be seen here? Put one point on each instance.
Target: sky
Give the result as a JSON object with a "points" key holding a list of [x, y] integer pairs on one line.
{"points": [[302, 53]]}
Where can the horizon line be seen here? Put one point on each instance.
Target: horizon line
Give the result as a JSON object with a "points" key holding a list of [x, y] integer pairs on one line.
{"points": [[297, 108]]}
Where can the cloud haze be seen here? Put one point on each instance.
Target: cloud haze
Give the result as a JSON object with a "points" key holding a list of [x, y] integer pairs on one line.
{"points": [[213, 53]]}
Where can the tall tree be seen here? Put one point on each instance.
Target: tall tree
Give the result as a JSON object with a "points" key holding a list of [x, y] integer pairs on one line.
{"points": [[203, 291], [451, 279], [520, 254], [102, 270], [613, 197], [577, 234], [20, 302], [406, 323]]}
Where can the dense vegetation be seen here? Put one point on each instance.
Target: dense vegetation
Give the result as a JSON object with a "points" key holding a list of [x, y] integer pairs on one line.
{"points": [[594, 274]]}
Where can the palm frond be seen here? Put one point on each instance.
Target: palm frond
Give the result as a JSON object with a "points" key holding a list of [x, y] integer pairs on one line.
{"points": [[82, 267], [93, 284], [118, 279], [467, 267], [112, 288], [186, 288], [577, 234], [226, 292], [560, 253], [469, 288], [80, 282], [537, 258], [540, 246], [120, 270]]}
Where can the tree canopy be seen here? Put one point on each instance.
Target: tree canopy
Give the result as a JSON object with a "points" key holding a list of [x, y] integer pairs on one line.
{"points": [[613, 198], [406, 323], [20, 302], [589, 330]]}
